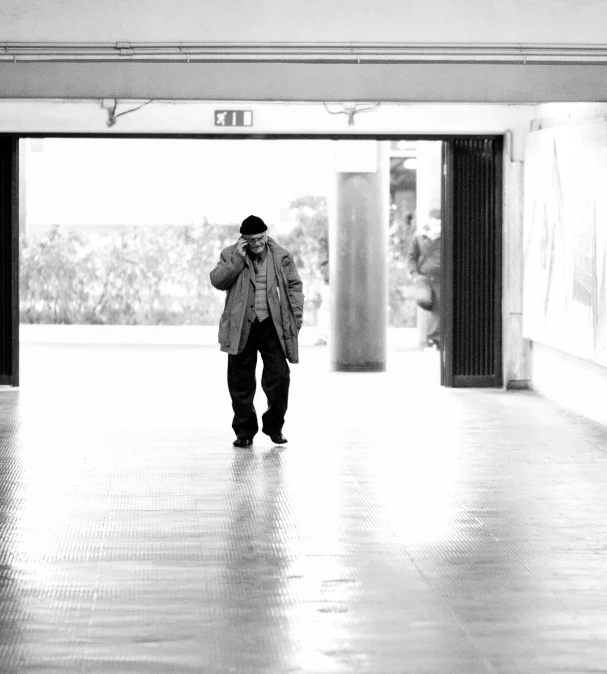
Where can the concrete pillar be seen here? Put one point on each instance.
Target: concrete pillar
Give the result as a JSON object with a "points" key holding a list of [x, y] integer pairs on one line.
{"points": [[358, 251], [517, 349]]}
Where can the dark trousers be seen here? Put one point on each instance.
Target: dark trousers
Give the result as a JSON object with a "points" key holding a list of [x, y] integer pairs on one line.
{"points": [[275, 380], [434, 322]]}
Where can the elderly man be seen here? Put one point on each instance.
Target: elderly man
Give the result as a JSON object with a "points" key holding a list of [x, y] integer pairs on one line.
{"points": [[263, 312]]}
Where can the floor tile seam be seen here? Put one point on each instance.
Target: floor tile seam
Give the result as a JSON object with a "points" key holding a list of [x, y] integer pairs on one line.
{"points": [[594, 445], [442, 601]]}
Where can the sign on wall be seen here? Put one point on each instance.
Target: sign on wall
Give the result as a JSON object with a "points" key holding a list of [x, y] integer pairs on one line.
{"points": [[233, 118], [565, 240]]}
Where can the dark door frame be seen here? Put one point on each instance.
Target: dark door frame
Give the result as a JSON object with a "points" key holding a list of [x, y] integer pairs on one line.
{"points": [[9, 260], [9, 220], [472, 263]]}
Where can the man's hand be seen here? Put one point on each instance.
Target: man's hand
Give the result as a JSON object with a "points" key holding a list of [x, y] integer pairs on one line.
{"points": [[241, 246]]}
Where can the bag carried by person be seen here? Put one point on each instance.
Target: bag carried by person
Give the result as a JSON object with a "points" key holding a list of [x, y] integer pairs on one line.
{"points": [[423, 292]]}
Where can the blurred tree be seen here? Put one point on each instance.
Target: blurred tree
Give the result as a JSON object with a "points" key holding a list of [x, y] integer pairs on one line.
{"points": [[160, 276], [131, 275], [308, 242], [403, 310]]}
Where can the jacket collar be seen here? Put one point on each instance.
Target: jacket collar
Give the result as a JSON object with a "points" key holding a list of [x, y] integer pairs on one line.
{"points": [[271, 261], [274, 250], [278, 252], [274, 257]]}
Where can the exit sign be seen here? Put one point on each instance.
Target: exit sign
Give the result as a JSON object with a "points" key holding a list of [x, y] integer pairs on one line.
{"points": [[233, 118]]}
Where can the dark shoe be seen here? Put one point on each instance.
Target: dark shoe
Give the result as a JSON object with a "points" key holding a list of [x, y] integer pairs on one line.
{"points": [[278, 439], [243, 442]]}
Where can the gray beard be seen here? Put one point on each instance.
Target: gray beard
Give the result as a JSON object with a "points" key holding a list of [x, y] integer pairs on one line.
{"points": [[256, 257]]}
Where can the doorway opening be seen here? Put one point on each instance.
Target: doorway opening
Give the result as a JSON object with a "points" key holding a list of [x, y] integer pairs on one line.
{"points": [[109, 228]]}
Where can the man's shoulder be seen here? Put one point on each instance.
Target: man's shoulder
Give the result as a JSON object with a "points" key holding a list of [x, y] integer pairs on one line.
{"points": [[278, 251], [228, 250]]}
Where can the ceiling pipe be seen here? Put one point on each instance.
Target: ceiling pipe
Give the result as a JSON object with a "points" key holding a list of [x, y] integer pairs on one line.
{"points": [[305, 52]]}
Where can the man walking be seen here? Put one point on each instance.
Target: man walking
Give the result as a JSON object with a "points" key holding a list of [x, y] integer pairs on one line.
{"points": [[263, 312]]}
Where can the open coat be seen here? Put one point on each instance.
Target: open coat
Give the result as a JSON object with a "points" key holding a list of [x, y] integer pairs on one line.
{"points": [[235, 274]]}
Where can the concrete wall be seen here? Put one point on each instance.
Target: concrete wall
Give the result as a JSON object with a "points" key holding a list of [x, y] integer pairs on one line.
{"points": [[578, 385], [516, 350], [197, 117], [474, 21]]}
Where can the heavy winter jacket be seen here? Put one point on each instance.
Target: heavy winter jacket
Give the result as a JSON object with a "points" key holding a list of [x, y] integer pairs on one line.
{"points": [[424, 256], [235, 274]]}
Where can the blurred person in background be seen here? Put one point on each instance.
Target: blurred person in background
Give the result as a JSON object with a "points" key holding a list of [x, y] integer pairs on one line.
{"points": [[425, 266], [263, 313]]}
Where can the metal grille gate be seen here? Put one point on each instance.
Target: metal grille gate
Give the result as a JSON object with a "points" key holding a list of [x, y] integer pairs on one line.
{"points": [[472, 267], [9, 274]]}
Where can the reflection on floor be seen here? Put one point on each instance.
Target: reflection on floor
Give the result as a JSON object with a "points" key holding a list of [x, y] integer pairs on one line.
{"points": [[404, 528]]}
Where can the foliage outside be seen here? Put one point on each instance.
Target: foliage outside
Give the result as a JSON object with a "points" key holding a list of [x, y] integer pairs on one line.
{"points": [[160, 275], [401, 302]]}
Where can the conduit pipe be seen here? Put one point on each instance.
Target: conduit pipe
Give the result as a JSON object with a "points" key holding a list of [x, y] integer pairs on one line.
{"points": [[312, 52]]}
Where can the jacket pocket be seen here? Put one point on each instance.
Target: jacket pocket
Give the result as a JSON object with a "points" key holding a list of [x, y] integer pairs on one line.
{"points": [[289, 344], [293, 325], [224, 330]]}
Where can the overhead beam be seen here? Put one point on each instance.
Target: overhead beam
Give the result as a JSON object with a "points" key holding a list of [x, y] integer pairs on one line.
{"points": [[251, 81]]}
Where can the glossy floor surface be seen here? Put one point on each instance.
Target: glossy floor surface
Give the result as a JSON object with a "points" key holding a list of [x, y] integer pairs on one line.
{"points": [[404, 528]]}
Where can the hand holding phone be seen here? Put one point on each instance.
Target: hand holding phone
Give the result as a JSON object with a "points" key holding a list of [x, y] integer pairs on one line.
{"points": [[241, 246]]}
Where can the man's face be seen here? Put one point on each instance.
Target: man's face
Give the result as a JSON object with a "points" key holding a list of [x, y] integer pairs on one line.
{"points": [[256, 242]]}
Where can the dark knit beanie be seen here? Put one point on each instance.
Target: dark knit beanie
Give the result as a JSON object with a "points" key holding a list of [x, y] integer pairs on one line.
{"points": [[253, 225]]}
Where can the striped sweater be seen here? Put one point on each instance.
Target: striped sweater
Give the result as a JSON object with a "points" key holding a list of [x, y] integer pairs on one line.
{"points": [[261, 291]]}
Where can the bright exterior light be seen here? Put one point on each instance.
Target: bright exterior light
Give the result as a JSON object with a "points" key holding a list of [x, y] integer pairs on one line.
{"points": [[410, 163]]}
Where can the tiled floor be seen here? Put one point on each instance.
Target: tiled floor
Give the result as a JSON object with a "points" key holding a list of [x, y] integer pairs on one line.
{"points": [[405, 528]]}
